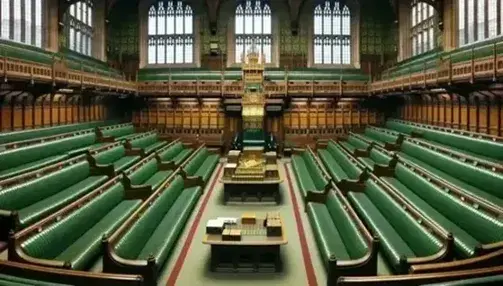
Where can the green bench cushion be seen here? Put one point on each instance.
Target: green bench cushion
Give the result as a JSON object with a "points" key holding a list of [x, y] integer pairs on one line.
{"points": [[333, 168], [400, 127], [166, 234], [369, 163], [315, 171], [87, 248], [352, 171], [158, 178], [348, 146], [151, 148], [31, 166], [170, 152], [118, 131], [464, 243], [55, 202], [357, 142], [380, 135], [78, 151], [8, 280], [125, 162], [475, 155], [144, 172], [207, 167], [110, 156], [182, 155], [301, 172]]}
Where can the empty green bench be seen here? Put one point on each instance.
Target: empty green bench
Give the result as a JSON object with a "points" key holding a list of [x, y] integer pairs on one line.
{"points": [[147, 143], [143, 244], [174, 153], [17, 161], [403, 240], [111, 159], [116, 132], [201, 164], [472, 228], [345, 246], [379, 162], [356, 146], [145, 176], [33, 198], [8, 280], [309, 174], [480, 182], [383, 137], [72, 237]]}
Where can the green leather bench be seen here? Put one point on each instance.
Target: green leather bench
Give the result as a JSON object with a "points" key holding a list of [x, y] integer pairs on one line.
{"points": [[378, 161], [494, 280], [8, 137], [383, 136], [174, 153], [309, 174], [116, 132], [471, 227], [81, 62], [400, 127], [17, 161], [480, 182], [341, 167], [403, 240], [145, 176], [143, 244], [201, 164], [72, 237], [8, 280], [147, 142], [187, 74], [112, 159], [32, 199], [340, 239], [356, 146]]}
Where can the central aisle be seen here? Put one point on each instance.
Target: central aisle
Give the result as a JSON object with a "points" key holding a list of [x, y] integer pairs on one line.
{"points": [[300, 267]]}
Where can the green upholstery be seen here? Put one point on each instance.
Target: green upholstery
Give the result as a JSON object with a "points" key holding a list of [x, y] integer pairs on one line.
{"points": [[308, 174], [400, 127], [400, 234], [351, 169], [176, 153], [337, 235], [157, 230], [42, 196], [8, 280], [488, 184], [7, 137], [76, 238], [78, 61], [475, 155], [31, 157], [379, 135], [79, 151], [253, 137], [116, 157], [376, 157], [149, 174], [202, 164], [148, 143], [357, 143], [470, 226], [334, 169], [118, 132], [494, 280]]}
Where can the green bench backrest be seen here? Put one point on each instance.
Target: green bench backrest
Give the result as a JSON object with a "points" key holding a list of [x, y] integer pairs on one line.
{"points": [[130, 245], [380, 135], [400, 127], [417, 238], [353, 239], [314, 170], [481, 226], [16, 157], [144, 172], [8, 280], [119, 132], [27, 193], [379, 157], [59, 236], [144, 141], [171, 152], [483, 179], [196, 162], [357, 142], [350, 168], [111, 155]]}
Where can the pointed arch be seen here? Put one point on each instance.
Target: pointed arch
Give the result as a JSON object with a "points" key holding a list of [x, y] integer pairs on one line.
{"points": [[253, 26], [79, 27], [478, 20], [424, 20], [21, 21]]}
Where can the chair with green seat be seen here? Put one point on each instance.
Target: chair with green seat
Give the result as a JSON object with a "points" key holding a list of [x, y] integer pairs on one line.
{"points": [[201, 164], [475, 229], [117, 132], [144, 242], [145, 176], [311, 178], [147, 143], [111, 159], [174, 154], [355, 146], [346, 247], [406, 236], [25, 159], [71, 238]]}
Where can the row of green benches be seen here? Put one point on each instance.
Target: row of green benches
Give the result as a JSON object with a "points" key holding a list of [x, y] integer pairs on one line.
{"points": [[145, 231]]}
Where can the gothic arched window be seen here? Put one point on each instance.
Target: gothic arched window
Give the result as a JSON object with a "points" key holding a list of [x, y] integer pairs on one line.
{"points": [[332, 34], [170, 33], [253, 27], [21, 21], [478, 20], [423, 28], [79, 23]]}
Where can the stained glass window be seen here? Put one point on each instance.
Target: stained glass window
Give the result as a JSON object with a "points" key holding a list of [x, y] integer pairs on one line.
{"points": [[424, 21], [21, 21], [170, 33], [79, 27], [332, 34], [478, 20], [253, 27]]}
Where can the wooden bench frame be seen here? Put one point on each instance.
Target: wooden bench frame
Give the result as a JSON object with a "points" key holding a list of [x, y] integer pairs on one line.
{"points": [[171, 165], [490, 259], [141, 151], [197, 180], [29, 142], [380, 170]]}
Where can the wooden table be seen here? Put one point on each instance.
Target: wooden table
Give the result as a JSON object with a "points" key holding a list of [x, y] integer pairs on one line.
{"points": [[255, 252]]}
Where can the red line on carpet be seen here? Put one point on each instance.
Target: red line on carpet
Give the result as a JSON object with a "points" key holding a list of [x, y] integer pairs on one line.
{"points": [[308, 264], [185, 250]]}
